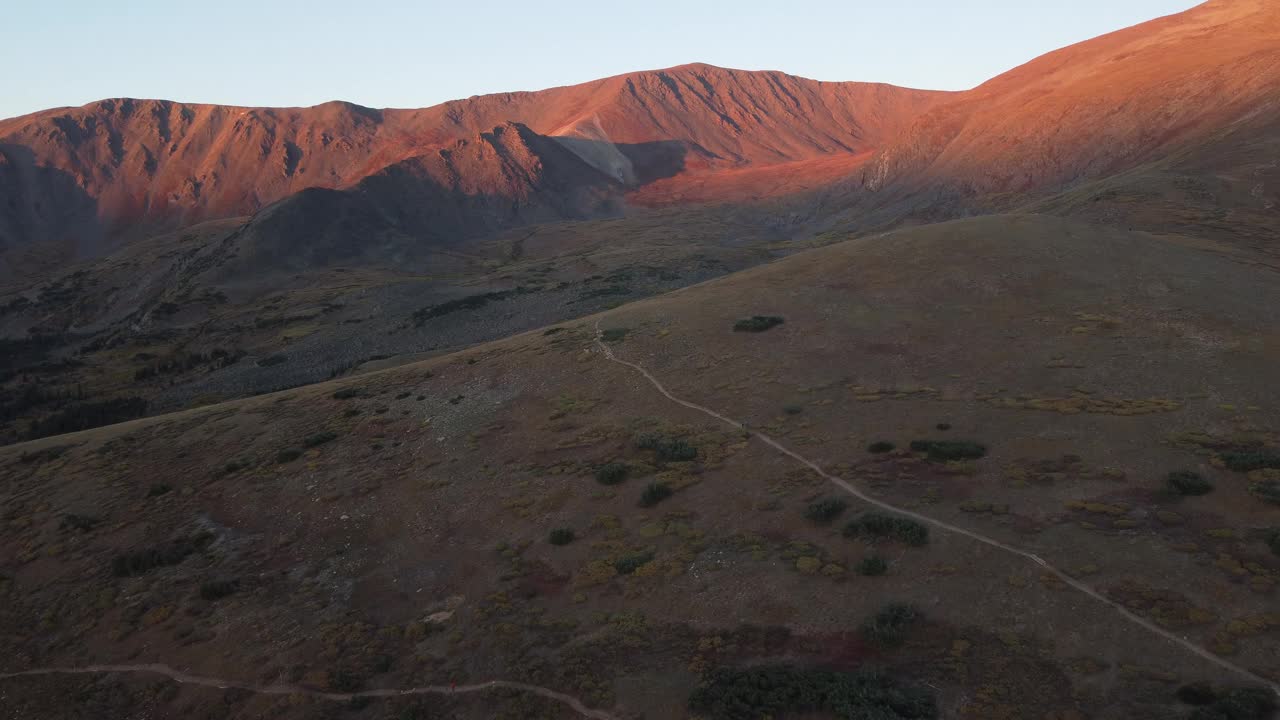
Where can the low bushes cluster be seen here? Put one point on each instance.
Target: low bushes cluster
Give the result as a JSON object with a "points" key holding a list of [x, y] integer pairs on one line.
{"points": [[895, 527], [1252, 703], [218, 589], [140, 562], [889, 626], [655, 493], [273, 360], [946, 450], [319, 438], [470, 302], [630, 563], [1268, 490], [346, 393], [665, 448], [235, 466], [758, 323], [880, 447], [346, 681], [288, 455], [612, 473], [825, 510], [782, 691], [180, 363], [1250, 460], [561, 536], [1186, 482], [80, 523], [88, 415], [880, 525], [1200, 693], [873, 565]]}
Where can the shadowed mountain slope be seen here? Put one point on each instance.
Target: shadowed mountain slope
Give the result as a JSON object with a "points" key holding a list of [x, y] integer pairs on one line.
{"points": [[151, 164], [505, 177]]}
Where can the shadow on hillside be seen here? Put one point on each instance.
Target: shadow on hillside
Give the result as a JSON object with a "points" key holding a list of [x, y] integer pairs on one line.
{"points": [[404, 215], [43, 211], [633, 164]]}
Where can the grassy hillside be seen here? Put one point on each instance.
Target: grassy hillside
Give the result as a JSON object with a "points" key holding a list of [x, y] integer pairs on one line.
{"points": [[528, 510]]}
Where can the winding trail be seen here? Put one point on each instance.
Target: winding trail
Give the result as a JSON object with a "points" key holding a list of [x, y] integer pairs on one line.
{"points": [[850, 489], [185, 679], [577, 705]]}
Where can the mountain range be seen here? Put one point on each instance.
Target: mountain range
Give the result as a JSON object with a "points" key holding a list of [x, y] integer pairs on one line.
{"points": [[693, 392]]}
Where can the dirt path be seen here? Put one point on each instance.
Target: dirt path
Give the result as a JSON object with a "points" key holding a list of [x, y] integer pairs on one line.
{"points": [[184, 678], [575, 703], [850, 489]]}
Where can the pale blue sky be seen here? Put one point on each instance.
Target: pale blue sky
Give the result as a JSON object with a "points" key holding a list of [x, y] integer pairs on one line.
{"points": [[413, 54]]}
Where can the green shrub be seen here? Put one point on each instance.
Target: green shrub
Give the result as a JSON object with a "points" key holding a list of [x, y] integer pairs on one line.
{"points": [[631, 563], [83, 416], [780, 691], [403, 395], [612, 473], [346, 393], [825, 510], [171, 553], [469, 302], [792, 409], [345, 681], [81, 523], [943, 426], [1238, 704], [1185, 482], [1250, 460], [158, 489], [873, 565], [288, 455], [1200, 693], [946, 450], [889, 627], [655, 493], [879, 525], [667, 449], [1273, 540], [235, 466], [758, 323], [319, 438], [613, 335], [1268, 490], [218, 589], [880, 447], [561, 536]]}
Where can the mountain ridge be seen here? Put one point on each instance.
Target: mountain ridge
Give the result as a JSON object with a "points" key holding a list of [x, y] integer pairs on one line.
{"points": [[151, 165], [1094, 107]]}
